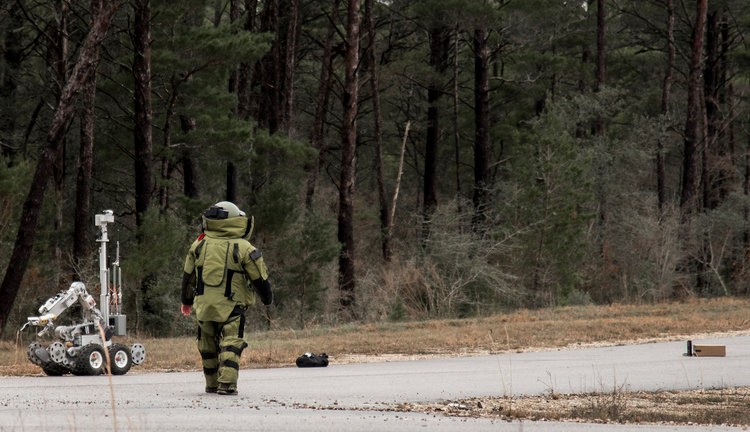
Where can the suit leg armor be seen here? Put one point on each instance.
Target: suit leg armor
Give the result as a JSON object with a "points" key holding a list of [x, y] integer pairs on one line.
{"points": [[231, 344], [208, 346]]}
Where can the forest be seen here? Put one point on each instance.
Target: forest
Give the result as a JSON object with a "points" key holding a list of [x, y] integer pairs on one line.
{"points": [[402, 159]]}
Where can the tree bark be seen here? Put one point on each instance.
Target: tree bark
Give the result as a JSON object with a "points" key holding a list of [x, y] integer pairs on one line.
{"points": [[268, 72], [481, 125], [438, 52], [690, 143], [231, 169], [290, 62], [189, 167], [385, 241], [601, 31], [84, 70], [604, 169], [12, 56], [244, 105], [231, 192], [726, 95], [348, 162], [665, 102], [321, 109], [720, 172], [456, 128], [167, 166], [165, 172], [142, 133], [59, 51], [711, 110], [60, 67], [83, 215]]}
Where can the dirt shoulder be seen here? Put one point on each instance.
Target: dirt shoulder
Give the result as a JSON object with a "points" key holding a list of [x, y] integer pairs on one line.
{"points": [[727, 407]]}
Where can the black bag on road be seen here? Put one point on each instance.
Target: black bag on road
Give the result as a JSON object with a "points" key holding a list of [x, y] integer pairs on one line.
{"points": [[312, 360]]}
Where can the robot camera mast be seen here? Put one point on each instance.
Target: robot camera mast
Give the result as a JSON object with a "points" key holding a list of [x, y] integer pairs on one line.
{"points": [[101, 220]]}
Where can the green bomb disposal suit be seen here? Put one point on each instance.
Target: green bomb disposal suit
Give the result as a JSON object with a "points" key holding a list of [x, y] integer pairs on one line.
{"points": [[220, 268]]}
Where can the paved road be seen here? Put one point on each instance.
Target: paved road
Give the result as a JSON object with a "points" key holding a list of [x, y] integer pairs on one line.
{"points": [[353, 397]]}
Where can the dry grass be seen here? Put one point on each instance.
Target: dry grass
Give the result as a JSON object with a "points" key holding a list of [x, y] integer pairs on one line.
{"points": [[516, 331], [522, 330]]}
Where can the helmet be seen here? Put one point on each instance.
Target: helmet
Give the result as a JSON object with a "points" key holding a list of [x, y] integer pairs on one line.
{"points": [[223, 210]]}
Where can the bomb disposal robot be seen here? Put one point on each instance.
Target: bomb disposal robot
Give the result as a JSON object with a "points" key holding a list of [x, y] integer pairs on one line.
{"points": [[80, 348]]}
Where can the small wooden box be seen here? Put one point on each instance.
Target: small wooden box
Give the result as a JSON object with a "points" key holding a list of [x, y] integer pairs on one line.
{"points": [[710, 350]]}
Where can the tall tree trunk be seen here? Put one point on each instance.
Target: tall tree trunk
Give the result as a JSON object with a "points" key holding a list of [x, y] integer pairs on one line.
{"points": [[599, 127], [231, 169], [321, 108], [456, 129], [165, 174], [83, 215], [348, 162], [60, 68], [481, 125], [726, 93], [666, 95], [718, 123], [189, 167], [231, 179], [290, 62], [167, 165], [244, 105], [142, 133], [12, 57], [711, 174], [268, 72], [84, 70], [438, 39], [608, 281], [601, 32], [385, 241], [690, 143]]}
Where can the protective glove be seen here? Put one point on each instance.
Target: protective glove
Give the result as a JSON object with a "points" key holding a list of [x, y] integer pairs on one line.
{"points": [[185, 309], [263, 289]]}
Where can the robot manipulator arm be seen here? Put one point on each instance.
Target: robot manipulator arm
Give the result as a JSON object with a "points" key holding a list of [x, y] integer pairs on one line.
{"points": [[58, 304]]}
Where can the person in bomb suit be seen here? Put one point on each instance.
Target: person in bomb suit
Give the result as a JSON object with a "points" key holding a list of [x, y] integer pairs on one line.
{"points": [[223, 273]]}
